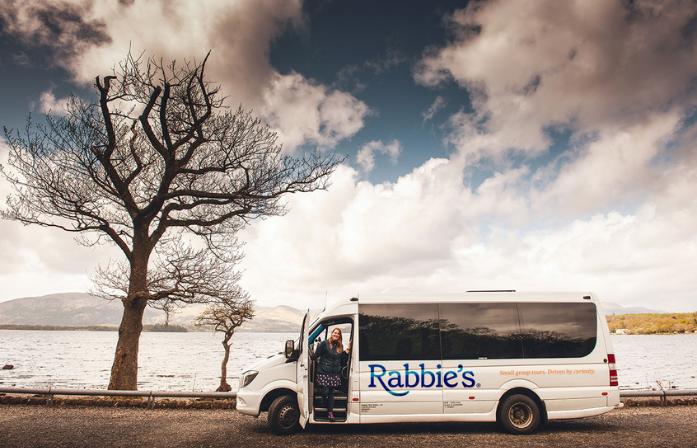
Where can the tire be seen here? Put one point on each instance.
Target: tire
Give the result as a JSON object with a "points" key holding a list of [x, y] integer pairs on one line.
{"points": [[284, 415], [519, 414]]}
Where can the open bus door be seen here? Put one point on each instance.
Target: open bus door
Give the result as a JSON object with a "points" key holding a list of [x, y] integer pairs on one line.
{"points": [[302, 366]]}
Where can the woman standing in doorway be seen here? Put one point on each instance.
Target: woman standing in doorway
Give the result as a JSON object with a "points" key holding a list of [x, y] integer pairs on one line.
{"points": [[332, 357]]}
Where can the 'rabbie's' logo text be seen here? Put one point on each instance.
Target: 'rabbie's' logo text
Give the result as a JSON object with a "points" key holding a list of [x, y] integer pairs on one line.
{"points": [[422, 378]]}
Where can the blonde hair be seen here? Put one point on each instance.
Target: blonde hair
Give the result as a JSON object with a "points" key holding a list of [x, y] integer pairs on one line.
{"points": [[340, 342]]}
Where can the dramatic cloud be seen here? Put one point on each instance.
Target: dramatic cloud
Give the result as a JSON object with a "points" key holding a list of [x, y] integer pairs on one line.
{"points": [[614, 212], [574, 167], [88, 38], [67, 27], [529, 66]]}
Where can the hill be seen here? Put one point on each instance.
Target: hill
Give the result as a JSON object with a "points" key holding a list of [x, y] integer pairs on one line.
{"points": [[612, 309], [68, 309], [86, 310]]}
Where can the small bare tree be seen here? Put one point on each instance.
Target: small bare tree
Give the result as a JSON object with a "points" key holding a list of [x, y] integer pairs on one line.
{"points": [[225, 316], [155, 160]]}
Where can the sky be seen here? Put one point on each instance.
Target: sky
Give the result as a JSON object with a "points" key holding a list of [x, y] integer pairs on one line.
{"points": [[538, 145]]}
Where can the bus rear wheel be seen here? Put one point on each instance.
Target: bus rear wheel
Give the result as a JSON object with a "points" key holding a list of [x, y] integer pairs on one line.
{"points": [[284, 415], [519, 414]]}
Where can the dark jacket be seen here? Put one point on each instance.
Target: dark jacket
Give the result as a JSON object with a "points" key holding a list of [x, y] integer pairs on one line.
{"points": [[330, 362]]}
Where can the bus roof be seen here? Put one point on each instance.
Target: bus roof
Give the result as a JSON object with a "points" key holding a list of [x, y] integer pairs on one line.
{"points": [[479, 296], [350, 306]]}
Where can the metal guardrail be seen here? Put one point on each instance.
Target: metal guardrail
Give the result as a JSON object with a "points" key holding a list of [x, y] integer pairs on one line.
{"points": [[150, 394], [662, 394]]}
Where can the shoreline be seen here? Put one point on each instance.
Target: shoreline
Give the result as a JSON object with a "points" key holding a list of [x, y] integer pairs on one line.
{"points": [[230, 403], [116, 402]]}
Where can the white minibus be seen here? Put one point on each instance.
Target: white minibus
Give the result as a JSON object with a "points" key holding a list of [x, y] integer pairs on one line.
{"points": [[510, 357]]}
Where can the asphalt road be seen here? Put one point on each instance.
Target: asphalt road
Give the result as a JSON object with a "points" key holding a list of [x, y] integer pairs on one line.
{"points": [[25, 426]]}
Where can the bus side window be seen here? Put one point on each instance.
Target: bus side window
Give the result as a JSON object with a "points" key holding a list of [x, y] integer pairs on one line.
{"points": [[481, 330], [405, 333]]}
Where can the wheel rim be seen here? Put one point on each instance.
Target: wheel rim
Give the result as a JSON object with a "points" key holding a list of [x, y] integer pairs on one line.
{"points": [[520, 415], [288, 416]]}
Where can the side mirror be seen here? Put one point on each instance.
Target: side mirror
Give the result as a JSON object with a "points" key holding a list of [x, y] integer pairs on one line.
{"points": [[290, 346]]}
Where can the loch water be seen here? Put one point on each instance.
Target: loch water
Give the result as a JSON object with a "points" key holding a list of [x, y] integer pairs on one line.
{"points": [[191, 361]]}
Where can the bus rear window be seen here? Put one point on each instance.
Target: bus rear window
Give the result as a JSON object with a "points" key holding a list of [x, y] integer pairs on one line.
{"points": [[559, 330]]}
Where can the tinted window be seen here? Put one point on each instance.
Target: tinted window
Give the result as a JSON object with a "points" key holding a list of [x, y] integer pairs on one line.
{"points": [[558, 330], [399, 332], [477, 331], [480, 330]]}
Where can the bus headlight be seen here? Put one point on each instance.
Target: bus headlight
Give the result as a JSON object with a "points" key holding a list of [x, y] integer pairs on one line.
{"points": [[248, 377]]}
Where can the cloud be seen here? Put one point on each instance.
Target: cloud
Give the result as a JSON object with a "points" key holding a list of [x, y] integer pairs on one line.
{"points": [[49, 103], [88, 38], [22, 59], [614, 213], [37, 261], [349, 76], [64, 26], [437, 105], [529, 66], [620, 165], [357, 235], [366, 155], [430, 232], [304, 112]]}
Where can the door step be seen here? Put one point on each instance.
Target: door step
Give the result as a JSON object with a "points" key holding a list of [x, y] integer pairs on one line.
{"points": [[321, 412]]}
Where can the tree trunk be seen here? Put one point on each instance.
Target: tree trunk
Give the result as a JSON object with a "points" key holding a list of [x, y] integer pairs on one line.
{"points": [[124, 371], [224, 386]]}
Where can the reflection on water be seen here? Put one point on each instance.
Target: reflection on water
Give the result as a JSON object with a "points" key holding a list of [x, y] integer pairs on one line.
{"points": [[191, 361]]}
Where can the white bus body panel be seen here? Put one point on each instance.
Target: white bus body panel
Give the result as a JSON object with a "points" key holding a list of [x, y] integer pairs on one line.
{"points": [[274, 374]]}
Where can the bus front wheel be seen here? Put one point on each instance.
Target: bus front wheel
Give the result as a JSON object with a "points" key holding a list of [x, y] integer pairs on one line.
{"points": [[519, 414], [284, 415]]}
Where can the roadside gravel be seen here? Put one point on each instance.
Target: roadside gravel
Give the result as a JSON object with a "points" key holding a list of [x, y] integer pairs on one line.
{"points": [[25, 426]]}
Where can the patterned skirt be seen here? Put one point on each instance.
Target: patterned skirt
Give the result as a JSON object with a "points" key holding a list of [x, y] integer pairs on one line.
{"points": [[328, 380]]}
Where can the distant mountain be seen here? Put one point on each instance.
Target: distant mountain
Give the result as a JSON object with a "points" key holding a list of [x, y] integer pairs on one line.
{"points": [[279, 319], [616, 309], [68, 309], [82, 310]]}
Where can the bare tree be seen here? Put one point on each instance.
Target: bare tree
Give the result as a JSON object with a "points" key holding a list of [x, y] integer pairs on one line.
{"points": [[156, 157], [170, 309], [225, 316]]}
